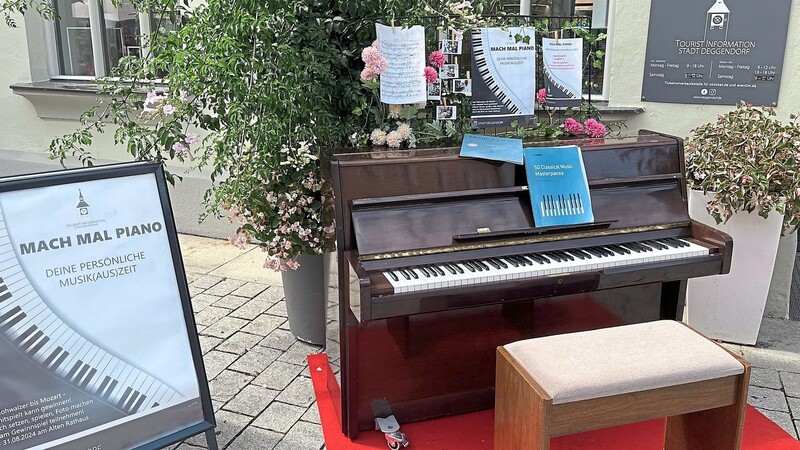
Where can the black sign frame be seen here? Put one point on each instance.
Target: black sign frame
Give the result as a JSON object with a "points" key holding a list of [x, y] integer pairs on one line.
{"points": [[121, 170]]}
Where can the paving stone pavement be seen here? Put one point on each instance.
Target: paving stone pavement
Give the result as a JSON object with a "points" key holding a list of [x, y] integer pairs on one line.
{"points": [[258, 375], [262, 393]]}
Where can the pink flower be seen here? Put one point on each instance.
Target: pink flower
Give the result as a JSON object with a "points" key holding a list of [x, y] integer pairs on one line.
{"points": [[541, 97], [594, 128], [430, 75], [572, 126], [168, 109], [373, 60], [179, 147], [192, 138], [152, 97], [368, 74], [436, 58], [747, 179], [699, 175]]}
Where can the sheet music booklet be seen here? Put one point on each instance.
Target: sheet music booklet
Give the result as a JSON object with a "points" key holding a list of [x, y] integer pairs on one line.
{"points": [[558, 186]]}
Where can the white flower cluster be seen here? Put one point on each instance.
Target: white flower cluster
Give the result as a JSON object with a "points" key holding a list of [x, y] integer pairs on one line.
{"points": [[395, 138]]}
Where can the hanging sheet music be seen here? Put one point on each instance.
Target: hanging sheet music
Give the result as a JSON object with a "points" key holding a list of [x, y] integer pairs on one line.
{"points": [[563, 70], [97, 340], [504, 77], [403, 82]]}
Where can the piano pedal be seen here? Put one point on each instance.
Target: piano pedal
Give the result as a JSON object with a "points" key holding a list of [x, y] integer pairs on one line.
{"points": [[391, 431]]}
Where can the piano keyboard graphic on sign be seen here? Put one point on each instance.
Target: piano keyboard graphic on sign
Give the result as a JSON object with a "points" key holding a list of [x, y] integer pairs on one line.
{"points": [[490, 76], [37, 332], [561, 205], [558, 85]]}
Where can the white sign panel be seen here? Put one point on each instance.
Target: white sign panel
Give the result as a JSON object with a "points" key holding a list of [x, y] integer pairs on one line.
{"points": [[403, 82], [94, 337]]}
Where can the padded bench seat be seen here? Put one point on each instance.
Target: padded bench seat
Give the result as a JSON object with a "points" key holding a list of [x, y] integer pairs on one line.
{"points": [[576, 382]]}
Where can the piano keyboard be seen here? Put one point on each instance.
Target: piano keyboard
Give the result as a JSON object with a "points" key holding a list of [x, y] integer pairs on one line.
{"points": [[489, 75], [561, 205], [37, 332], [509, 268]]}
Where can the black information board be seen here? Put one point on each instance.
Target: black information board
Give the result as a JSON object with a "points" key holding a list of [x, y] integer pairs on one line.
{"points": [[98, 343], [715, 52]]}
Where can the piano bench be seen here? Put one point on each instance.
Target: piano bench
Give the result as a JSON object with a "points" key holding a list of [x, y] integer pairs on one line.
{"points": [[570, 383]]}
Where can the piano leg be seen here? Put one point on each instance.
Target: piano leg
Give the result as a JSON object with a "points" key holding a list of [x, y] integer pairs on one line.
{"points": [[673, 299]]}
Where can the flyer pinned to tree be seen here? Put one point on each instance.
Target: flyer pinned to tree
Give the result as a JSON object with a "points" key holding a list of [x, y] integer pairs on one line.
{"points": [[403, 82]]}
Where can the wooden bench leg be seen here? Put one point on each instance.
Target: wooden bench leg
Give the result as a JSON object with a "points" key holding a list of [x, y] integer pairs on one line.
{"points": [[711, 429], [521, 413]]}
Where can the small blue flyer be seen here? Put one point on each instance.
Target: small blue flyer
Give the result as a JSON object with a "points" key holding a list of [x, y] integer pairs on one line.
{"points": [[491, 147], [557, 185]]}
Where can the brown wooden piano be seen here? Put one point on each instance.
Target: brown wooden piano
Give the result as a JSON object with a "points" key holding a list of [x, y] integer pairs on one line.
{"points": [[440, 262]]}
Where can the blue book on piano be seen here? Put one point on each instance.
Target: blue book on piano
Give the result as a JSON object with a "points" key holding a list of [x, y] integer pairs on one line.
{"points": [[492, 147], [557, 185]]}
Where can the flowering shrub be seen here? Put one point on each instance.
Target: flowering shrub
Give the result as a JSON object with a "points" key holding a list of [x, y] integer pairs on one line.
{"points": [[289, 215], [749, 161]]}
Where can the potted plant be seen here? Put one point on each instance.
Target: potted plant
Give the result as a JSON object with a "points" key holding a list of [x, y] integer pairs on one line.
{"points": [[743, 170]]}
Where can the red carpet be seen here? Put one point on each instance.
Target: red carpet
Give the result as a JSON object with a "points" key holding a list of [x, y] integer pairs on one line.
{"points": [[473, 431]]}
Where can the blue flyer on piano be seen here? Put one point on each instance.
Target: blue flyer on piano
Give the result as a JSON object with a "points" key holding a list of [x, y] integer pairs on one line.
{"points": [[557, 185], [492, 147]]}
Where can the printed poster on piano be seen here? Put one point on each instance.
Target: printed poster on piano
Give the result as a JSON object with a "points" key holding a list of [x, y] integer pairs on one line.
{"points": [[504, 77], [93, 341]]}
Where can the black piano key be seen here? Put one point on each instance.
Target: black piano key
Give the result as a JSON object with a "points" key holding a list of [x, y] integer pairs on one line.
{"points": [[631, 247], [57, 363], [81, 373], [482, 264], [103, 385], [518, 260], [502, 264], [74, 369], [450, 269], [577, 254], [682, 243], [131, 400], [439, 269], [469, 266], [155, 404], [35, 349], [566, 255], [405, 274], [458, 268], [124, 397], [110, 389], [659, 245], [413, 273], [5, 296], [10, 318], [552, 255], [593, 252], [394, 277], [537, 258], [531, 261], [138, 403], [88, 378], [493, 263], [425, 271], [644, 246], [25, 335], [32, 341], [512, 261], [669, 242], [432, 270]]}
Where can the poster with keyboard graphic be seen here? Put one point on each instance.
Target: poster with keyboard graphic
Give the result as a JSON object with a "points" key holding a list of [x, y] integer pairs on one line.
{"points": [[503, 76], [557, 185], [96, 337]]}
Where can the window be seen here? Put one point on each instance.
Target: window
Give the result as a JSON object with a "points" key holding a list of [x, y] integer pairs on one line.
{"points": [[596, 13], [91, 36]]}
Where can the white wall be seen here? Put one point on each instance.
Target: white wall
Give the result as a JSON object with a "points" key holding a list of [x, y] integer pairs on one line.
{"points": [[24, 136], [630, 24]]}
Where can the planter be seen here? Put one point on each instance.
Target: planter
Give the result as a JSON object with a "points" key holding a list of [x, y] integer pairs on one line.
{"points": [[306, 292], [730, 307]]}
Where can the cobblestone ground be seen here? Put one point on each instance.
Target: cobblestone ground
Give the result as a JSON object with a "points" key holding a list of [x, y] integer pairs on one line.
{"points": [[257, 371], [262, 392]]}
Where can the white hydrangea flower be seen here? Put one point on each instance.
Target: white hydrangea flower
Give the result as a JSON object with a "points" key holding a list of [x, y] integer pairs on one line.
{"points": [[393, 139], [378, 136]]}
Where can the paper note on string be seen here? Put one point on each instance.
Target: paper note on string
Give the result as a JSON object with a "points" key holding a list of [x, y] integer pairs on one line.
{"points": [[403, 82]]}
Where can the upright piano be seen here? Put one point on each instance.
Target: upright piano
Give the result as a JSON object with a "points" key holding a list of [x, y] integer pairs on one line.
{"points": [[439, 262]]}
